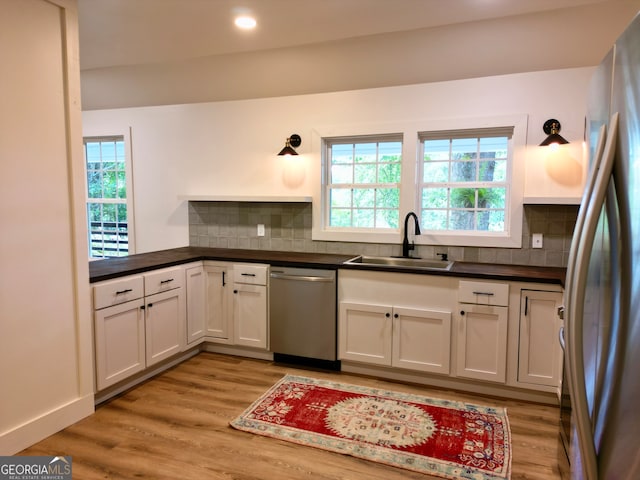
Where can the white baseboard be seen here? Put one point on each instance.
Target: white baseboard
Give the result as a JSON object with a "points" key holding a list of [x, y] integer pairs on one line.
{"points": [[440, 381], [237, 351], [23, 436]]}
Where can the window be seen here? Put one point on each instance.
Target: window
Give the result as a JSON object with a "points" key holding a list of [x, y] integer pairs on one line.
{"points": [[463, 177], [464, 183], [107, 194], [363, 187]]}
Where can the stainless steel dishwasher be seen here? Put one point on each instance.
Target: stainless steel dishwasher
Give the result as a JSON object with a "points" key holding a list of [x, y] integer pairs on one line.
{"points": [[302, 316]]}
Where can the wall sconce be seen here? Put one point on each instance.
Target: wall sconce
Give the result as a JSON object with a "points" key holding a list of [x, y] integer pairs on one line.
{"points": [[293, 141], [552, 128]]}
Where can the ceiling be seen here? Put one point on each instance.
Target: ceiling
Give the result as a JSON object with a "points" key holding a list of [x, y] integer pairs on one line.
{"points": [[158, 52], [130, 32]]}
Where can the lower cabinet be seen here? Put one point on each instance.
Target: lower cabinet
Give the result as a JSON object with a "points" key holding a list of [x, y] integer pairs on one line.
{"points": [[539, 352], [227, 303], [216, 302], [364, 333], [250, 317], [395, 336], [482, 342], [196, 292], [120, 342], [139, 321], [421, 340], [482, 330], [164, 325]]}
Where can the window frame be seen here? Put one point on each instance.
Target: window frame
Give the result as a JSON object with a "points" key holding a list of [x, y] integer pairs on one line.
{"points": [[328, 145], [410, 191], [476, 184], [128, 201]]}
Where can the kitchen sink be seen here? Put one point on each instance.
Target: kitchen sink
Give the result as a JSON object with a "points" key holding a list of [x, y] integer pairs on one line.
{"points": [[402, 262]]}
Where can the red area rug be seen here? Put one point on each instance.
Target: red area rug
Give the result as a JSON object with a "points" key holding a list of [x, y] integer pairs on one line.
{"points": [[438, 437]]}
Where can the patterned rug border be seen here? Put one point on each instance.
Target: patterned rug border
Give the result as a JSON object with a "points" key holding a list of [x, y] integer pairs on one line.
{"points": [[374, 453]]}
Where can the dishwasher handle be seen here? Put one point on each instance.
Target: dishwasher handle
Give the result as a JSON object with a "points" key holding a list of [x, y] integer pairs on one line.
{"points": [[300, 278]]}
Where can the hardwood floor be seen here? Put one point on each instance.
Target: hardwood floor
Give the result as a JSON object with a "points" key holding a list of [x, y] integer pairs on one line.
{"points": [[176, 426]]}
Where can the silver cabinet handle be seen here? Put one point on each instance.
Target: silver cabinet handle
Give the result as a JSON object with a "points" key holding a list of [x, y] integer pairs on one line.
{"points": [[302, 278], [488, 294]]}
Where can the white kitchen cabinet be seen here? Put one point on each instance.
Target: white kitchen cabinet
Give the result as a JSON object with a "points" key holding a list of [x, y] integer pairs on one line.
{"points": [[402, 337], [218, 324], [250, 305], [539, 352], [482, 331], [120, 342], [139, 321], [364, 333], [119, 330], [165, 314], [482, 342], [164, 325], [195, 285], [421, 339]]}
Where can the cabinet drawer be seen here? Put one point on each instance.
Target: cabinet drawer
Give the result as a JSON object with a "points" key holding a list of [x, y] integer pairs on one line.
{"points": [[483, 293], [115, 292], [163, 280], [252, 274]]}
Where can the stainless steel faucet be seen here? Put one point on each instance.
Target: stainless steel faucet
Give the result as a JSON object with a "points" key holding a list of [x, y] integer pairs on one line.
{"points": [[406, 247]]}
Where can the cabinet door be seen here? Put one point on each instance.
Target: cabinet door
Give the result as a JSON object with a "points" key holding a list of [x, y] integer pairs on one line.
{"points": [[120, 347], [196, 304], [421, 339], [217, 302], [250, 315], [364, 333], [482, 342], [539, 354], [164, 325]]}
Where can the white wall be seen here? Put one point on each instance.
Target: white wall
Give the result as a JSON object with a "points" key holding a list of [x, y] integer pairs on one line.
{"points": [[229, 148], [46, 348]]}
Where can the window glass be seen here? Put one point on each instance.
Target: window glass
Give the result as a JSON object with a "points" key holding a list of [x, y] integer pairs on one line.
{"points": [[363, 191], [108, 228], [464, 181]]}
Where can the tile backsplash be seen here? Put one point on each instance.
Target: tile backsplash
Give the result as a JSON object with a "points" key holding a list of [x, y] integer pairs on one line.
{"points": [[288, 228]]}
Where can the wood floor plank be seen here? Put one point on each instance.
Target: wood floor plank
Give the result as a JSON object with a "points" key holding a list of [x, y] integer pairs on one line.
{"points": [[176, 425]]}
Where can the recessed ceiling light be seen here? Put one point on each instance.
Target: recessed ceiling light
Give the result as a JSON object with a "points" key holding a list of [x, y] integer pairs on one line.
{"points": [[245, 22]]}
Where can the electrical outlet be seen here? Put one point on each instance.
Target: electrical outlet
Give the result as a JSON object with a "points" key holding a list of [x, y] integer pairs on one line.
{"points": [[261, 229], [536, 240]]}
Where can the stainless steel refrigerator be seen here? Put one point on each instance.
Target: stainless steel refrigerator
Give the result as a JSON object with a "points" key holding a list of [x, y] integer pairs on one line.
{"points": [[602, 292]]}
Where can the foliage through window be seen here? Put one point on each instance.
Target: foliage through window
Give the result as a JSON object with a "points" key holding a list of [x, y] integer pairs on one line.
{"points": [[107, 196], [465, 180], [363, 187]]}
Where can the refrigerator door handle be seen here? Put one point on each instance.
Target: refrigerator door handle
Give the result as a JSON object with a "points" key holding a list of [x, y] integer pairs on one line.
{"points": [[576, 285], [584, 203]]}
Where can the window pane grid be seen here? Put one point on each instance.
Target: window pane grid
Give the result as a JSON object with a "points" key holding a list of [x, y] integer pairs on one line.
{"points": [[364, 183], [107, 196], [464, 182]]}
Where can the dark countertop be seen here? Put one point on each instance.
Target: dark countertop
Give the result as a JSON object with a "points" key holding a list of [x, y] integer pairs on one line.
{"points": [[117, 267], [514, 273], [100, 270]]}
